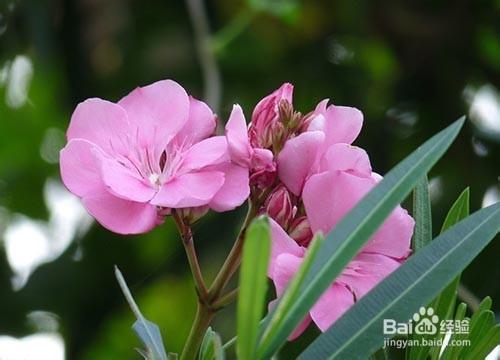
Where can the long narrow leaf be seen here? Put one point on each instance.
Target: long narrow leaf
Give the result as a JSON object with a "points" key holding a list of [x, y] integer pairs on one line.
{"points": [[253, 286], [446, 352], [148, 332], [444, 303], [356, 228], [359, 332], [288, 298], [486, 345], [211, 347], [422, 214]]}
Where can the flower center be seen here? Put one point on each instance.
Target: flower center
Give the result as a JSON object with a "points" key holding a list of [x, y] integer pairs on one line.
{"points": [[154, 179]]}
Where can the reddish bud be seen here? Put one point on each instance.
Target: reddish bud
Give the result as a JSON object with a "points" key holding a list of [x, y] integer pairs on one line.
{"points": [[279, 206], [266, 116], [300, 231]]}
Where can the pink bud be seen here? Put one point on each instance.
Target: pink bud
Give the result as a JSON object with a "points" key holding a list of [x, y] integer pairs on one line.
{"points": [[263, 168], [262, 179], [300, 231], [279, 206], [266, 116]]}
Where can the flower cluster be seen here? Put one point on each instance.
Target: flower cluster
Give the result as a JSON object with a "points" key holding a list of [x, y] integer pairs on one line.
{"points": [[155, 150], [319, 177]]}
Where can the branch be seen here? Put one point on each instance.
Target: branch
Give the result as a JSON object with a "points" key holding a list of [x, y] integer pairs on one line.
{"points": [[209, 66], [187, 241]]}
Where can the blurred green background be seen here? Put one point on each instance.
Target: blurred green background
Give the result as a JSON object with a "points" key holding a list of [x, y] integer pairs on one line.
{"points": [[412, 67]]}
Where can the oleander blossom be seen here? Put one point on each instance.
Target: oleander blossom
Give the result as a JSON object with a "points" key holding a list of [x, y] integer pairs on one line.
{"points": [[321, 177], [133, 161]]}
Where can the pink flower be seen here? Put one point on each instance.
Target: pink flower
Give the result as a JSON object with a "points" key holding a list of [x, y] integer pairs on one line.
{"points": [[259, 161], [132, 161], [330, 177], [303, 155]]}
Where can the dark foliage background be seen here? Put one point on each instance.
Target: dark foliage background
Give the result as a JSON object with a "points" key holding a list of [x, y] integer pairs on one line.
{"points": [[412, 67]]}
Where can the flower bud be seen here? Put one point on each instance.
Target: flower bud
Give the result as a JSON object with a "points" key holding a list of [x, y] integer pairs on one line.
{"points": [[262, 179], [279, 206], [263, 171], [266, 115], [300, 231]]}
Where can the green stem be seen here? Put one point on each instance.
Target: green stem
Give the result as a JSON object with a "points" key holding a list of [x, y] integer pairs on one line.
{"points": [[200, 325], [211, 301], [187, 241], [225, 300], [234, 258]]}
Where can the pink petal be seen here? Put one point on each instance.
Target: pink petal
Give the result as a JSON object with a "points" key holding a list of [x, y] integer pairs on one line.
{"points": [[101, 122], [300, 328], [297, 158], [336, 300], [341, 124], [237, 137], [201, 123], [346, 158], [282, 244], [339, 192], [394, 236], [267, 107], [79, 172], [262, 159], [336, 191], [119, 215], [366, 271], [158, 111], [235, 189], [320, 197], [122, 181], [189, 190], [285, 267], [207, 152]]}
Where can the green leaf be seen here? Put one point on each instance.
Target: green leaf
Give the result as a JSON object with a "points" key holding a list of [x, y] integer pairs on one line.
{"points": [[460, 313], [211, 347], [485, 345], [458, 211], [448, 352], [380, 354], [356, 228], [422, 214], [485, 304], [422, 235], [479, 327], [148, 332], [359, 332], [253, 286], [444, 303], [273, 323]]}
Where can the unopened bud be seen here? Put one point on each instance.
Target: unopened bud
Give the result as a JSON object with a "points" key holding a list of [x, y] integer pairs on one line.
{"points": [[300, 231], [266, 115], [279, 206], [263, 171]]}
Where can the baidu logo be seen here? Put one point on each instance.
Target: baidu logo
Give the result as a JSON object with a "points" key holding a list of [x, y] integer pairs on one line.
{"points": [[423, 322]]}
